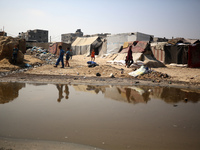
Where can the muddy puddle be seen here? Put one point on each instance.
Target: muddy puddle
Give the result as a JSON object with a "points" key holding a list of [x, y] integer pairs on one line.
{"points": [[106, 117]]}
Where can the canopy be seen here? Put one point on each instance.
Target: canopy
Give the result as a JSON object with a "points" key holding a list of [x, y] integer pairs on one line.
{"points": [[83, 45]]}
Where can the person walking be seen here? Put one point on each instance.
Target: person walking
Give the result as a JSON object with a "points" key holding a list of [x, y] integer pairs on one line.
{"points": [[67, 57], [129, 58], [60, 57]]}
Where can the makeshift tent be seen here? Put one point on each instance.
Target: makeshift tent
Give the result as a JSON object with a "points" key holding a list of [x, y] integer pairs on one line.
{"points": [[140, 47], [141, 52], [177, 54], [84, 45], [115, 42], [158, 51], [194, 56], [54, 48]]}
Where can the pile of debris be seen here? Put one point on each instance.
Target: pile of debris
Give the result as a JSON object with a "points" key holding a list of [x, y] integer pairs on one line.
{"points": [[42, 54], [154, 76]]}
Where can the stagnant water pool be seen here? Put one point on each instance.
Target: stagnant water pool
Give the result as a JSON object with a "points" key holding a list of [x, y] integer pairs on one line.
{"points": [[107, 117]]}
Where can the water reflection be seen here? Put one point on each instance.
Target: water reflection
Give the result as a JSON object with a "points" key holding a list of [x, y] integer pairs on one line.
{"points": [[142, 94], [60, 92], [9, 91], [129, 94], [174, 95]]}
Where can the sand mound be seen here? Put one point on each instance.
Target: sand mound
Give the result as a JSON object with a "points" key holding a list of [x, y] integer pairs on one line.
{"points": [[6, 48]]}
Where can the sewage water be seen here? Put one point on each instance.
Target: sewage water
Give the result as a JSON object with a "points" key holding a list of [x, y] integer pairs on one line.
{"points": [[107, 117]]}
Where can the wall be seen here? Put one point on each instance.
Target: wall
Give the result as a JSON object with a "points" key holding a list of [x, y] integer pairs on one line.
{"points": [[32, 44], [144, 37]]}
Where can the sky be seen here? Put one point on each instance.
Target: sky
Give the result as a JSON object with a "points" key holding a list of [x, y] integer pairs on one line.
{"points": [[161, 18]]}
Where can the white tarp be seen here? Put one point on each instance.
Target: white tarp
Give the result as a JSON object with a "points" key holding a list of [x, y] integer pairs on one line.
{"points": [[83, 45]]}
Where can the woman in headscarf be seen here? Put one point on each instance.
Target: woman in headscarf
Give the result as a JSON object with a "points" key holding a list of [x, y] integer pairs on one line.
{"points": [[129, 57]]}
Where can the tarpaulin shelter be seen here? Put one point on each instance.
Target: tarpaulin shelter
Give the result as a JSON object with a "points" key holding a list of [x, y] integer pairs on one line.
{"points": [[177, 54], [194, 56], [116, 41], [84, 45], [137, 47], [158, 51], [54, 47], [141, 51]]}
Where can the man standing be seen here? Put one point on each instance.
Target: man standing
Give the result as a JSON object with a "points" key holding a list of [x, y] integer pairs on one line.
{"points": [[60, 57]]}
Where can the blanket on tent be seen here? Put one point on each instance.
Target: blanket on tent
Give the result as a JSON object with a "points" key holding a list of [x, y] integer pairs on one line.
{"points": [[194, 56]]}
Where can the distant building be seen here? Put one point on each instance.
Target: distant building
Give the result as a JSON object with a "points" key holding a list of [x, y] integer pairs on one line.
{"points": [[101, 35], [35, 35], [2, 33], [71, 37]]}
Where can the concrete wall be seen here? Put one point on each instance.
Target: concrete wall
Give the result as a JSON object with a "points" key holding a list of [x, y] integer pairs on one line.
{"points": [[32, 44]]}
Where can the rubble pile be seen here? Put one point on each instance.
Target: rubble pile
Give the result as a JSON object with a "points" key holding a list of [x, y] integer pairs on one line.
{"points": [[154, 76], [42, 54]]}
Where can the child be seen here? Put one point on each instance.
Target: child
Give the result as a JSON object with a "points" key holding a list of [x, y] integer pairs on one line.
{"points": [[93, 55], [67, 57], [71, 53], [60, 57], [15, 52]]}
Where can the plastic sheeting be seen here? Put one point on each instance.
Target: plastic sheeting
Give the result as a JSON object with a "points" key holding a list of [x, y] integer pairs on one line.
{"points": [[176, 54], [194, 56]]}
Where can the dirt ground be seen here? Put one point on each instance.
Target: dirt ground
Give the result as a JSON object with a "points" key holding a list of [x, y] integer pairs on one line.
{"points": [[79, 72]]}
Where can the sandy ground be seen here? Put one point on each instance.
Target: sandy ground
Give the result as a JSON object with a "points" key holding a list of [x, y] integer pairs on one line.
{"points": [[79, 72], [24, 144]]}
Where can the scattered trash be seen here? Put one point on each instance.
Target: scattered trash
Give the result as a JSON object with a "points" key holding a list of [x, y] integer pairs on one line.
{"points": [[122, 70], [27, 65], [112, 76], [138, 72], [92, 64]]}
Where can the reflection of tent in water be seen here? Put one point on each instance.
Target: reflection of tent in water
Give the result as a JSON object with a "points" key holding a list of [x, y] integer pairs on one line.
{"points": [[84, 45], [89, 88], [131, 94], [174, 95], [9, 91]]}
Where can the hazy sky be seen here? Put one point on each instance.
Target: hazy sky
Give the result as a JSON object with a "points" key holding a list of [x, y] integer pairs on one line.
{"points": [[161, 18]]}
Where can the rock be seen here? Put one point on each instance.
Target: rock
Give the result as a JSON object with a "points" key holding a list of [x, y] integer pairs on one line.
{"points": [[98, 74]]}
